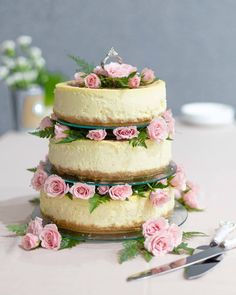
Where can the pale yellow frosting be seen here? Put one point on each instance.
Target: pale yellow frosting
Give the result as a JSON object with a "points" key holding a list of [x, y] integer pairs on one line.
{"points": [[109, 106], [111, 157], [113, 214]]}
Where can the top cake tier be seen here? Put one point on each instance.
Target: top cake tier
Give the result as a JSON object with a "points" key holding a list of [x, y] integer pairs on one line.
{"points": [[109, 107]]}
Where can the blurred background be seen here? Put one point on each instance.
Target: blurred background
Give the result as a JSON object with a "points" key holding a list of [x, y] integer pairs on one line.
{"points": [[191, 44]]}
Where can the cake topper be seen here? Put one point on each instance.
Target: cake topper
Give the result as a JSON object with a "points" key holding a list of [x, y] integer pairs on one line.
{"points": [[111, 53]]}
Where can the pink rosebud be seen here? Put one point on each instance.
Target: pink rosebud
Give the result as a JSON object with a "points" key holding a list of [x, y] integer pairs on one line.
{"points": [[190, 197], [120, 192], [92, 81], [125, 132], [159, 243], [159, 197], [134, 82], [55, 186], [179, 180], [103, 189], [170, 121], [176, 234], [147, 75], [100, 71], [60, 131], [39, 179], [53, 117], [45, 123], [152, 226], [50, 237], [157, 130], [30, 241], [35, 226], [82, 191], [79, 78], [98, 134], [116, 70]]}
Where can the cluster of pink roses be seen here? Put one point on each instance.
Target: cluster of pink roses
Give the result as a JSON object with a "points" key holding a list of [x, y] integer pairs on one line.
{"points": [[48, 236], [116, 71], [159, 197], [160, 237], [184, 189]]}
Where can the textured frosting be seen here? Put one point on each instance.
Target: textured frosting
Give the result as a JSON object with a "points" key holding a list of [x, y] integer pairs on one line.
{"points": [[113, 216], [109, 106], [109, 159]]}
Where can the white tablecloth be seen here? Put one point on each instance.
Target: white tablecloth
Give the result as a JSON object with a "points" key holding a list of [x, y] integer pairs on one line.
{"points": [[208, 155]]}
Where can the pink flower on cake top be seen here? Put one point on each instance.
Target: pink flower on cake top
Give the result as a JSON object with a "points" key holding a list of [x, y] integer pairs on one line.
{"points": [[92, 81]]}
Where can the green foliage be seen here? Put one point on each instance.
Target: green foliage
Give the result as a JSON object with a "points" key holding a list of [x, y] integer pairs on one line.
{"points": [[34, 169], [140, 139], [35, 201], [45, 133], [97, 200], [82, 64], [72, 136], [183, 249], [19, 229], [68, 243], [192, 234]]}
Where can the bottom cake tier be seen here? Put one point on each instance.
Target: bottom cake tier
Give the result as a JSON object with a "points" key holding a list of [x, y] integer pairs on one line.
{"points": [[110, 217]]}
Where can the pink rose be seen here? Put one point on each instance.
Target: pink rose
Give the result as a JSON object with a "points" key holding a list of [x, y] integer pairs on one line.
{"points": [[116, 70], [103, 189], [151, 226], [176, 234], [50, 237], [147, 75], [35, 226], [159, 243], [79, 78], [134, 82], [59, 131], [55, 186], [82, 191], [45, 123], [170, 121], [120, 192], [39, 179], [98, 134], [30, 241], [157, 130], [159, 197], [179, 180], [100, 71], [125, 132], [190, 199], [92, 81]]}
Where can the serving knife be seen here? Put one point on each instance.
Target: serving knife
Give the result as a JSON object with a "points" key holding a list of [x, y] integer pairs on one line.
{"points": [[187, 261]]}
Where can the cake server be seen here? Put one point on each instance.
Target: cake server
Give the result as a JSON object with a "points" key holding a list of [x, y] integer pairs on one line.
{"points": [[186, 261], [199, 269]]}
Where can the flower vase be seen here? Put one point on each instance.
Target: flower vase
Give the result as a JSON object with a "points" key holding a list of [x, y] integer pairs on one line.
{"points": [[28, 107]]}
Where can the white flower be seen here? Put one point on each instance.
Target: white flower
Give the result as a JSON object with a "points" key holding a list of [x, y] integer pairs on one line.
{"points": [[3, 72], [35, 52], [29, 76], [24, 40], [8, 62], [10, 80], [21, 61], [7, 45], [39, 62]]}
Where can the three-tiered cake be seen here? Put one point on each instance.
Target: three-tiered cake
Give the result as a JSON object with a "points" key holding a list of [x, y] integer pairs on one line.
{"points": [[108, 167]]}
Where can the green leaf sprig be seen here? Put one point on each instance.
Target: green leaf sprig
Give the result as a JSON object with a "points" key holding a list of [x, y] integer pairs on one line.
{"points": [[45, 133], [83, 66], [97, 200]]}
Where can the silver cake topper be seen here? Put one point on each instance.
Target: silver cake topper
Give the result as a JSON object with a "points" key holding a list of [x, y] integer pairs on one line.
{"points": [[111, 53]]}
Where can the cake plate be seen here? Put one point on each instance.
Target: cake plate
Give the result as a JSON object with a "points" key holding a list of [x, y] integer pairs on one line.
{"points": [[178, 217]]}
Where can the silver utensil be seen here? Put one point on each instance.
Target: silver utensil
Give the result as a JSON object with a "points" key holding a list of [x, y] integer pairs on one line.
{"points": [[187, 261], [199, 269]]}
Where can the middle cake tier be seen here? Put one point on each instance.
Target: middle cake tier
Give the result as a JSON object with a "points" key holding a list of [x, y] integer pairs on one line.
{"points": [[108, 160]]}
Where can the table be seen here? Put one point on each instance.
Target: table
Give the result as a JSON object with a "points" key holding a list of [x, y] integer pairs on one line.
{"points": [[208, 155]]}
